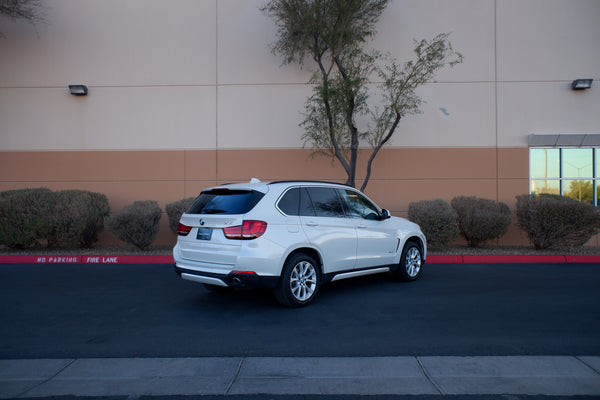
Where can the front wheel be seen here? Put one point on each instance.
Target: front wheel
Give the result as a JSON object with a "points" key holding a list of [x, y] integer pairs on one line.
{"points": [[411, 262], [299, 282]]}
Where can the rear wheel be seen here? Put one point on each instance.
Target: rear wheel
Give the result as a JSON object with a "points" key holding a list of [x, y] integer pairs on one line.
{"points": [[411, 262], [299, 282]]}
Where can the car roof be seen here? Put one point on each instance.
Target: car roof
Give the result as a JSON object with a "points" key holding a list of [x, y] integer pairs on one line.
{"points": [[256, 184]]}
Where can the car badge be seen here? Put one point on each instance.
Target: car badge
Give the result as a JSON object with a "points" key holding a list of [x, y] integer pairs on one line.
{"points": [[201, 222]]}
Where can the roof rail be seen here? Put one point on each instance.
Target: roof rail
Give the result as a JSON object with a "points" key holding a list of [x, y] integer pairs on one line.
{"points": [[310, 181]]}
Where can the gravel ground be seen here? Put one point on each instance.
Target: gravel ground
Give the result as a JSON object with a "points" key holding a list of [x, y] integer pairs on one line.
{"points": [[167, 250], [512, 250]]}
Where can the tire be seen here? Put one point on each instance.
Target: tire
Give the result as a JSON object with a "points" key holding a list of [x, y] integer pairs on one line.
{"points": [[411, 263], [300, 281]]}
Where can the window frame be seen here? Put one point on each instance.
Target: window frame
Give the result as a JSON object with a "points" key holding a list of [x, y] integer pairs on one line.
{"points": [[595, 178]]}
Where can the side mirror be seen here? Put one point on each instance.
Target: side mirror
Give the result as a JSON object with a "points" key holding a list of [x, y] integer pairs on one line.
{"points": [[385, 214]]}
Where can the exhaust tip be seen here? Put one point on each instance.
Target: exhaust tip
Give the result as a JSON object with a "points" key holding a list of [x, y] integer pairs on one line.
{"points": [[237, 281]]}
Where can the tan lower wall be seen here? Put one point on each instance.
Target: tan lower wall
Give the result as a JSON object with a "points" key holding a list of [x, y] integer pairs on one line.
{"points": [[400, 175]]}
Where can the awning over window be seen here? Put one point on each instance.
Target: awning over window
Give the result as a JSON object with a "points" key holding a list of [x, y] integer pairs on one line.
{"points": [[565, 140]]}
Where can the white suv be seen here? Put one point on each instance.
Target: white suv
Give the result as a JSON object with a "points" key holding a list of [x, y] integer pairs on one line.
{"points": [[292, 237]]}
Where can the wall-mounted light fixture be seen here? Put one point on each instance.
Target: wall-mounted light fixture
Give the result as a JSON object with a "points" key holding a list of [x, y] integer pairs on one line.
{"points": [[78, 90], [580, 84]]}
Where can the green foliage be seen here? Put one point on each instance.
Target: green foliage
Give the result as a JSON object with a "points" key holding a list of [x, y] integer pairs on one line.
{"points": [[438, 221], [580, 190], [556, 221], [309, 28], [78, 218], [136, 223], [66, 218], [480, 220], [25, 10], [25, 216], [175, 210], [330, 34]]}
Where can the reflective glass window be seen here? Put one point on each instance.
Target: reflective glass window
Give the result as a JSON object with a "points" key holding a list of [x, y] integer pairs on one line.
{"points": [[569, 172], [547, 186], [579, 189], [577, 163], [545, 163]]}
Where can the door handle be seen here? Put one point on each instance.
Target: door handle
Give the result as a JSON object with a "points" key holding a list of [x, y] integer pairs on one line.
{"points": [[311, 223], [361, 226]]}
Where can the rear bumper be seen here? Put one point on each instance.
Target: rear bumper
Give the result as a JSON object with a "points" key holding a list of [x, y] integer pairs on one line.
{"points": [[231, 279]]}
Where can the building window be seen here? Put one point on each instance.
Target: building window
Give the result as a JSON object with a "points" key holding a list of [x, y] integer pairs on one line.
{"points": [[570, 172]]}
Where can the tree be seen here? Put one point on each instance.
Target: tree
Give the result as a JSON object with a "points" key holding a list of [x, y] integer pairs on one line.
{"points": [[580, 190], [330, 35], [27, 10]]}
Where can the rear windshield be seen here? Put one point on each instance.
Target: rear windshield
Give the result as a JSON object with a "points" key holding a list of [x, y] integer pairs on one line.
{"points": [[223, 201]]}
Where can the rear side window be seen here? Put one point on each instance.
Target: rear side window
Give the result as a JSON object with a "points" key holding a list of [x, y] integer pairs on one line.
{"points": [[290, 202], [224, 201], [326, 202], [296, 202]]}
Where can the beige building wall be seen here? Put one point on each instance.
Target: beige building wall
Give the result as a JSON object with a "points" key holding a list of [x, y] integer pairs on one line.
{"points": [[186, 95]]}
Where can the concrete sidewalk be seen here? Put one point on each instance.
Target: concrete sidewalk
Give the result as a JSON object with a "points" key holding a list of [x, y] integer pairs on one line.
{"points": [[518, 375]]}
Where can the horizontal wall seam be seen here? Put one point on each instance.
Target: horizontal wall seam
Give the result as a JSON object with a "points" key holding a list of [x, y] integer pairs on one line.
{"points": [[265, 180], [231, 84]]}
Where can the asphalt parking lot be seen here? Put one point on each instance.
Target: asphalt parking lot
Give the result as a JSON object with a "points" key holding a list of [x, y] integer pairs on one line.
{"points": [[488, 319], [75, 310]]}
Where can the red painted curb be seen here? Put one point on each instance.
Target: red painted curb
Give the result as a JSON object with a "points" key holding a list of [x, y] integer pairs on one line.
{"points": [[499, 259], [433, 259], [86, 259], [445, 259]]}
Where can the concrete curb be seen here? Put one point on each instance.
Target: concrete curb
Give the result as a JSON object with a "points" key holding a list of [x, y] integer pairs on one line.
{"points": [[430, 375], [432, 259]]}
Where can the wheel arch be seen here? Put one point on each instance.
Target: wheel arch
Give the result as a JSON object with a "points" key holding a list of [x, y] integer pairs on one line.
{"points": [[419, 242], [416, 239], [309, 251]]}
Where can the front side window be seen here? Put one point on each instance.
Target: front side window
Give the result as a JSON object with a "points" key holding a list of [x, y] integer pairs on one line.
{"points": [[570, 172], [359, 206]]}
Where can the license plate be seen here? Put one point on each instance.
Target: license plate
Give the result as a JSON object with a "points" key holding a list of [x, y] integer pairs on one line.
{"points": [[204, 233]]}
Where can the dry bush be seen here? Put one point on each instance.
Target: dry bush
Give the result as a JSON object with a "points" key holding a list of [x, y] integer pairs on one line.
{"points": [[136, 223], [78, 217], [175, 210], [556, 221], [480, 220], [25, 216], [437, 220]]}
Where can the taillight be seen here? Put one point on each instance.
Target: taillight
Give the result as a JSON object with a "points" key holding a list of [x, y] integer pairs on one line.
{"points": [[247, 231], [183, 230]]}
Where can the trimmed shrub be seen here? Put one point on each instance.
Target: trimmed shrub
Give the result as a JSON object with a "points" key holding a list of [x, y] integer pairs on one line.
{"points": [[437, 220], [175, 210], [25, 216], [480, 220], [136, 223], [78, 217], [556, 221]]}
